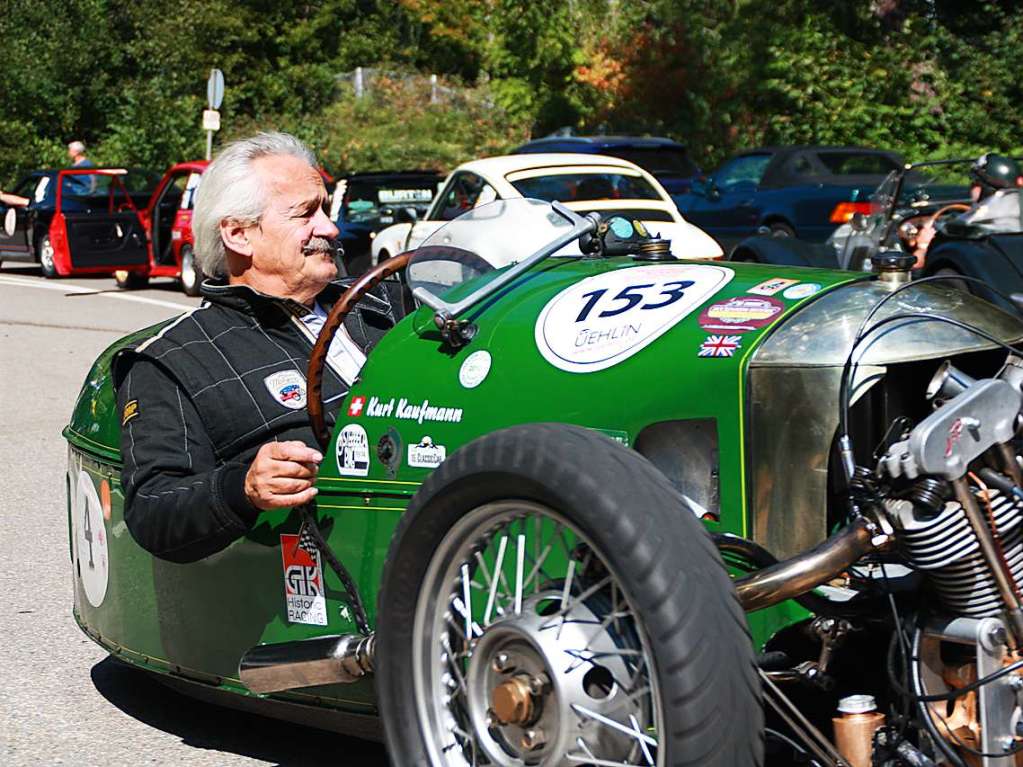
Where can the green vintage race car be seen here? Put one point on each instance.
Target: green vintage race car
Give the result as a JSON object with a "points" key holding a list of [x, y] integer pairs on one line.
{"points": [[607, 507]]}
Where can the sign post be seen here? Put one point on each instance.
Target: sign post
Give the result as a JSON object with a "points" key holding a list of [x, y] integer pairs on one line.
{"points": [[210, 116]]}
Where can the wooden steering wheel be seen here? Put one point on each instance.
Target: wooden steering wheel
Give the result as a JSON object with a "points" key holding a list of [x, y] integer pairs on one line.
{"points": [[918, 249], [946, 209], [338, 313]]}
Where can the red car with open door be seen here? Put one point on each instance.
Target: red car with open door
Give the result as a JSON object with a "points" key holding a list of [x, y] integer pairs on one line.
{"points": [[168, 224], [78, 221]]}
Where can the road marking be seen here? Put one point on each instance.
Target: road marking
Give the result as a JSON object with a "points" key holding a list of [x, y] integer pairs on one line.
{"points": [[80, 291]]}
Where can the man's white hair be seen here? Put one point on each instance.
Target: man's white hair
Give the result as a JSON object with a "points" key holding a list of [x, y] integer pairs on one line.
{"points": [[231, 190], [77, 147]]}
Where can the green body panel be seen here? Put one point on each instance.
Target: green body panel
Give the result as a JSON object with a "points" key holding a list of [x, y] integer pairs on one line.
{"points": [[198, 619]]}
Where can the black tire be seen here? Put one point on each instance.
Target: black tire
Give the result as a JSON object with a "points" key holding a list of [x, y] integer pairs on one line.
{"points": [[686, 617], [44, 253], [191, 274], [126, 280], [781, 229]]}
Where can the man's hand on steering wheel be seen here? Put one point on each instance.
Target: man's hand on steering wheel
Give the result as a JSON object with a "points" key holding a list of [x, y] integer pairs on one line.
{"points": [[927, 231]]}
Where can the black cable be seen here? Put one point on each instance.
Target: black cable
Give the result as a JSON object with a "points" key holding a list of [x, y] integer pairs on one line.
{"points": [[347, 583], [960, 691]]}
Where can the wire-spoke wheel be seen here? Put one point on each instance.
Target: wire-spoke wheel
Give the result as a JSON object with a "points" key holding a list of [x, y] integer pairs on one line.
{"points": [[541, 611]]}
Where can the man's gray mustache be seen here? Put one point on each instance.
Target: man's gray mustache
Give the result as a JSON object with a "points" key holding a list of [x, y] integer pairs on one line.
{"points": [[320, 245]]}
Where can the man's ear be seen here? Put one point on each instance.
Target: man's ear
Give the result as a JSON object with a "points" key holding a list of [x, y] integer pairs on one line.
{"points": [[235, 234]]}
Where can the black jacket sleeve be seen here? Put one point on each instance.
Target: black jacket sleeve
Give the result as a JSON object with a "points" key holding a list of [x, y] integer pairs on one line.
{"points": [[180, 503]]}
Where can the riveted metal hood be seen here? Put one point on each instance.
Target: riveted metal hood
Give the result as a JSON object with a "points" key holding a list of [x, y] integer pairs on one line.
{"points": [[822, 333]]}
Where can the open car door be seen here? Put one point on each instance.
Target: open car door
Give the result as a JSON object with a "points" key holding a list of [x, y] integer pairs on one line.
{"points": [[103, 225]]}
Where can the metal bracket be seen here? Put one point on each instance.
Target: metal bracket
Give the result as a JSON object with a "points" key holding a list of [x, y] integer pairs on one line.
{"points": [[998, 701]]}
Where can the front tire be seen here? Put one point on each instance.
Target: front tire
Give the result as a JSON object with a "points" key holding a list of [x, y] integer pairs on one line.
{"points": [[44, 252], [191, 275], [584, 533]]}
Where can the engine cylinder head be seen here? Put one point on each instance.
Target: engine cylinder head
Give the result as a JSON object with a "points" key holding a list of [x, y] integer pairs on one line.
{"points": [[945, 548]]}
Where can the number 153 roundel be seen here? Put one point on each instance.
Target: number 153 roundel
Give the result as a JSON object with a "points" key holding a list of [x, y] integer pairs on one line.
{"points": [[603, 320]]}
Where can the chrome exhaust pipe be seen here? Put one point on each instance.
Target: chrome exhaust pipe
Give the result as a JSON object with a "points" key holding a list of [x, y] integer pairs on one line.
{"points": [[796, 576], [307, 662]]}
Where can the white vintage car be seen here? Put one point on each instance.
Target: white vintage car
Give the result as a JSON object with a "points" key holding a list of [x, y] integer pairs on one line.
{"points": [[583, 182]]}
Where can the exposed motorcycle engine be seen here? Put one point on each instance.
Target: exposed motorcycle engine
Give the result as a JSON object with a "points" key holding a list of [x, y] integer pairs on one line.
{"points": [[945, 548]]}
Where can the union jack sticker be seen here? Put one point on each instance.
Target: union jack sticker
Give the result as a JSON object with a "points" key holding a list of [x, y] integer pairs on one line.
{"points": [[720, 346]]}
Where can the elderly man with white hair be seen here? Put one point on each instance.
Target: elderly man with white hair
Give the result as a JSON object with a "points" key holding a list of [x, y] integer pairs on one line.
{"points": [[213, 406], [76, 153]]}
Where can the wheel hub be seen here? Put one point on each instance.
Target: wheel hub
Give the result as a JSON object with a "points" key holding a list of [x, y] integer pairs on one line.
{"points": [[540, 683]]}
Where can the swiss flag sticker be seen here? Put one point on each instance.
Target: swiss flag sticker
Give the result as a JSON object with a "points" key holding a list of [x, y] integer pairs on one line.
{"points": [[356, 406]]}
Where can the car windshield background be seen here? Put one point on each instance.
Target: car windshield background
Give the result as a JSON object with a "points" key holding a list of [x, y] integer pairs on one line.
{"points": [[364, 200], [857, 163], [466, 191], [747, 169], [658, 159], [582, 186]]}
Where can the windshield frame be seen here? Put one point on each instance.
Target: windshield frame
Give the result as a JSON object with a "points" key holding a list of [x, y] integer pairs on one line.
{"points": [[446, 313]]}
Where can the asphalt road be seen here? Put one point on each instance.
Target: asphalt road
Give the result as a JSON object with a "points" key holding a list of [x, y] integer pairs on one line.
{"points": [[62, 700]]}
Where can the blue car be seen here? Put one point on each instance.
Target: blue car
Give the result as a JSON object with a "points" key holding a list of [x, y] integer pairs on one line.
{"points": [[802, 191], [666, 160]]}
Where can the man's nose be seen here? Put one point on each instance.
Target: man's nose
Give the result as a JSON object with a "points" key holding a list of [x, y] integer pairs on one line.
{"points": [[323, 226]]}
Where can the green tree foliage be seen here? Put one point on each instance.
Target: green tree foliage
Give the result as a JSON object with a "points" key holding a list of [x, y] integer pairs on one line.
{"points": [[926, 77]]}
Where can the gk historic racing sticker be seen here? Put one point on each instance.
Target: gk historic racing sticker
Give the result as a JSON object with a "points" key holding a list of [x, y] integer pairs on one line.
{"points": [[287, 387], [603, 320], [772, 286], [739, 314], [475, 369], [426, 455], [803, 290], [353, 451], [303, 581], [92, 562], [720, 346]]}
